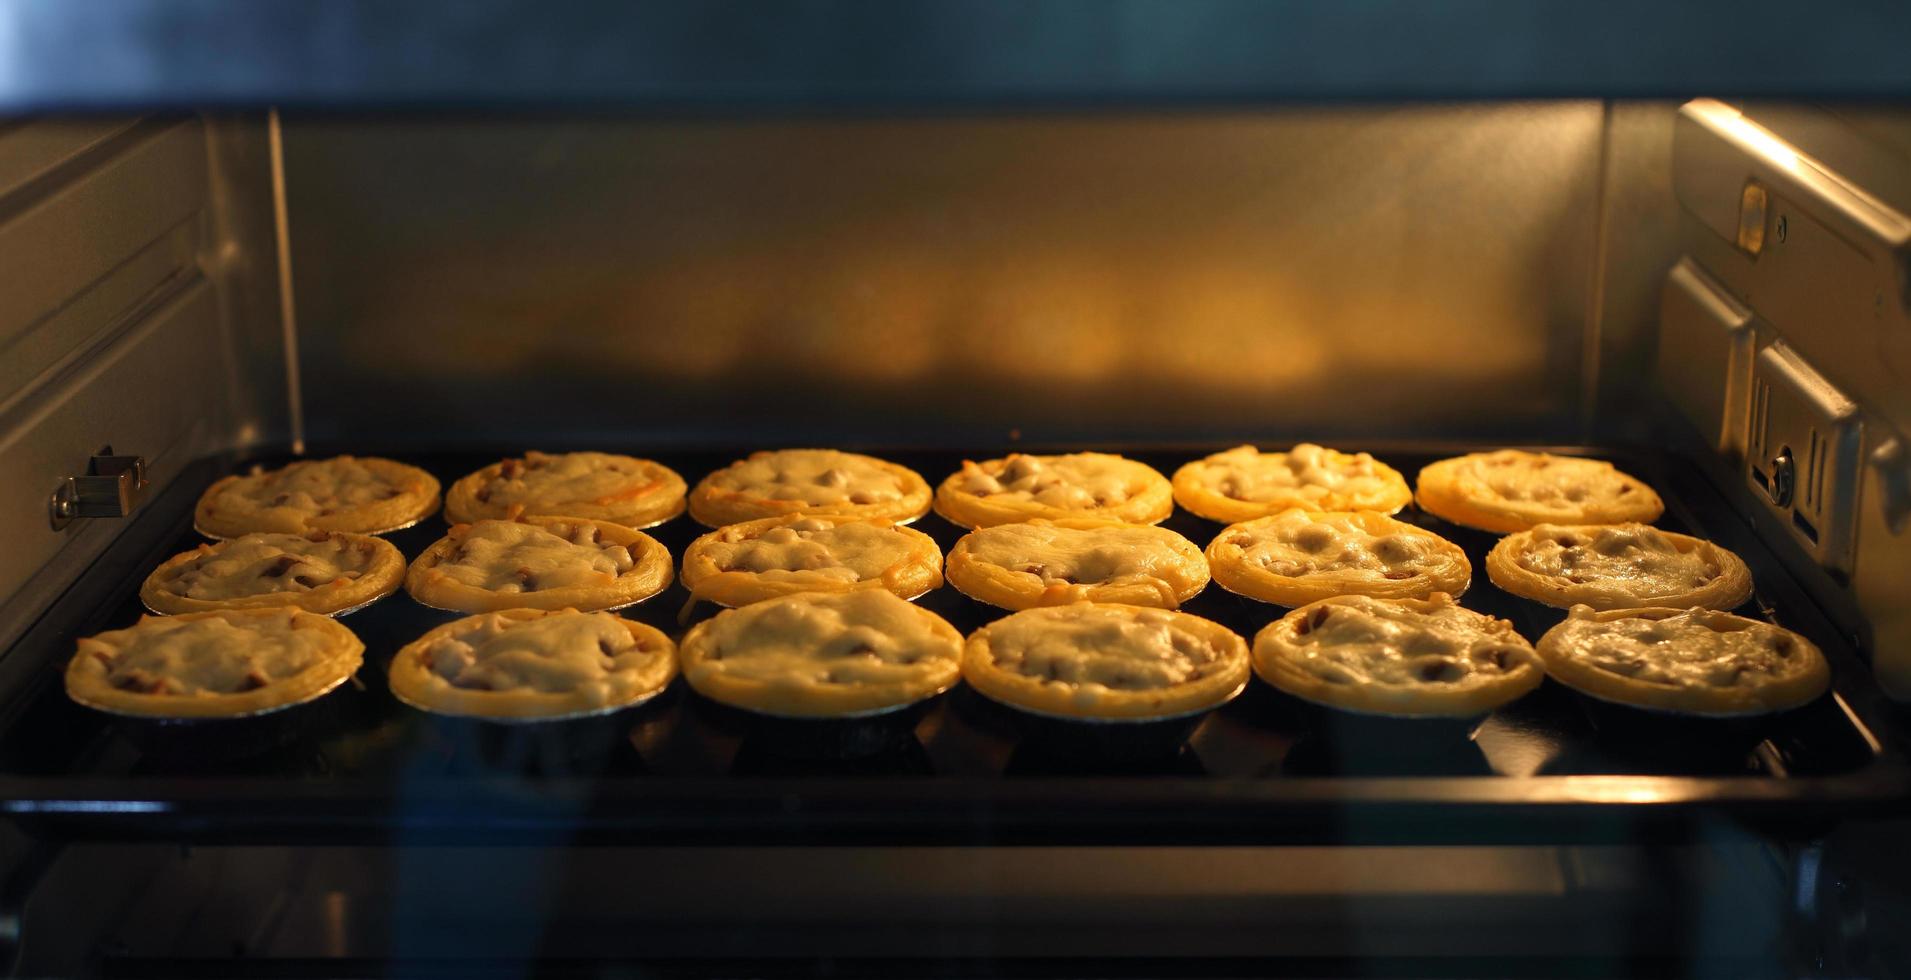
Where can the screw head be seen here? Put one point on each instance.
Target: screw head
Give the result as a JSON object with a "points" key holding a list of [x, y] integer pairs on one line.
{"points": [[1778, 231]]}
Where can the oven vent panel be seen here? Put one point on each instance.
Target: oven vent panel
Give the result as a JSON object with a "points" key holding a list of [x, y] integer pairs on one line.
{"points": [[1803, 460]]}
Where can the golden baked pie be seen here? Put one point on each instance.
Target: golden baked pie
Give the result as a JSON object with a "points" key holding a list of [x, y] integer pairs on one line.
{"points": [[1618, 566], [534, 664], [1106, 662], [1055, 563], [1688, 661], [327, 572], [1245, 483], [600, 486], [1301, 556], [539, 563], [1023, 486], [1513, 490], [776, 556], [361, 494], [809, 481], [228, 663], [823, 655], [1404, 657]]}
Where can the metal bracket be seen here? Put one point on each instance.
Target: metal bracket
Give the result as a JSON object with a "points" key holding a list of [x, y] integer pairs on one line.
{"points": [[1802, 453], [111, 487]]}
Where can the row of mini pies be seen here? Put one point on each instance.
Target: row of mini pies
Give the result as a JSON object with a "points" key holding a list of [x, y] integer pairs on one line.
{"points": [[849, 654], [1503, 491], [1288, 559]]}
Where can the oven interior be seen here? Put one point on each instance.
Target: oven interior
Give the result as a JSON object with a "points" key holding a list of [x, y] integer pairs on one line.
{"points": [[1714, 294]]}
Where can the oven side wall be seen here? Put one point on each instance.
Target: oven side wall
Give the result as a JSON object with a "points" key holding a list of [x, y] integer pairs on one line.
{"points": [[137, 310]]}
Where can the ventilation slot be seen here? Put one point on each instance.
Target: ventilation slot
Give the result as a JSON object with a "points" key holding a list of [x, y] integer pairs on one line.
{"points": [[1805, 527], [1761, 405], [1809, 485]]}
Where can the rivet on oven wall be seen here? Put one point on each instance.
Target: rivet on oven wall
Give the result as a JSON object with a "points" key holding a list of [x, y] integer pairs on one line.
{"points": [[1780, 229]]}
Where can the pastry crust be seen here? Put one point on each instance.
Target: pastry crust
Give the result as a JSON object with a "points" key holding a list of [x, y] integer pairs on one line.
{"points": [[326, 572], [772, 483], [1023, 486], [539, 563], [359, 494], [534, 665], [778, 556], [1106, 662], [823, 655], [1513, 490], [229, 663], [1299, 556], [1244, 483], [1685, 661], [600, 486], [1425, 658], [1618, 566], [1056, 563]]}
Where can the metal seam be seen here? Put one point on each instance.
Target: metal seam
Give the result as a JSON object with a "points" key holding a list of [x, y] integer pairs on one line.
{"points": [[288, 318]]}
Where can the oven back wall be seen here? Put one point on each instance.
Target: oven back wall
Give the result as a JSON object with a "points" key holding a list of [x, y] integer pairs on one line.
{"points": [[1302, 273]]}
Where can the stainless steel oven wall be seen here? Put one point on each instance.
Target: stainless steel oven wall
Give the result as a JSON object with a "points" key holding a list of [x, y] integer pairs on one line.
{"points": [[1349, 272], [137, 309], [1785, 340]]}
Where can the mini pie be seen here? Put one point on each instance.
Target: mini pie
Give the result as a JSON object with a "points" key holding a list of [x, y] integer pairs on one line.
{"points": [[362, 494], [1021, 486], [1513, 490], [777, 556], [1106, 662], [808, 481], [601, 486], [1618, 566], [533, 664], [1403, 657], [539, 563], [1245, 483], [228, 663], [823, 655], [1300, 556], [1684, 661], [325, 572], [1055, 563]]}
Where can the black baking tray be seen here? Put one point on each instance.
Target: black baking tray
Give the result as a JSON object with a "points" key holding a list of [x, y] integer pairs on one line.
{"points": [[684, 771]]}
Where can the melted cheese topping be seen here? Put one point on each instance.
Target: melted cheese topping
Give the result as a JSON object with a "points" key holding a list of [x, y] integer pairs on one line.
{"points": [[592, 655], [849, 638], [812, 476], [1637, 558], [1307, 473], [1076, 481], [1299, 543], [321, 487], [1698, 648], [807, 548], [502, 556], [1373, 641], [1539, 478], [544, 483], [263, 564], [208, 656], [1064, 555], [1101, 648]]}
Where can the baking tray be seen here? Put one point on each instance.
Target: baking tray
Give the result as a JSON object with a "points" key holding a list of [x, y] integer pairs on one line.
{"points": [[687, 771]]}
